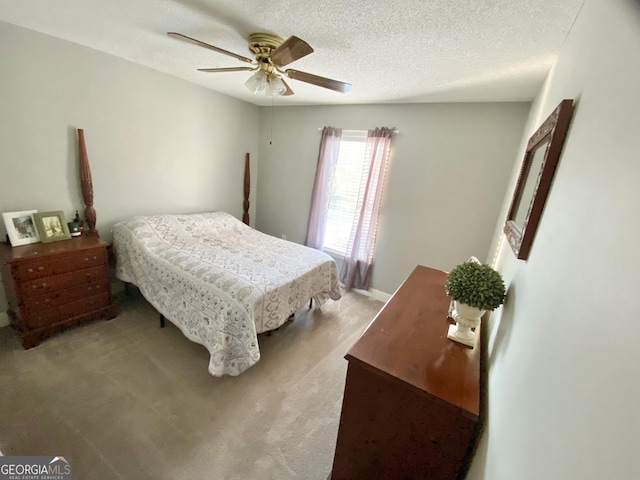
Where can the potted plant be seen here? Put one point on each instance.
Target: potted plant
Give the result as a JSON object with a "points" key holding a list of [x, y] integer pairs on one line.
{"points": [[475, 288]]}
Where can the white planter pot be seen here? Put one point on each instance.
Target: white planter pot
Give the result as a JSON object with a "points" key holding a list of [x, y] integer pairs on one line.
{"points": [[466, 318]]}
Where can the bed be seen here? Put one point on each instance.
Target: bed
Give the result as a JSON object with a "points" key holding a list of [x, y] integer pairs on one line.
{"points": [[220, 281]]}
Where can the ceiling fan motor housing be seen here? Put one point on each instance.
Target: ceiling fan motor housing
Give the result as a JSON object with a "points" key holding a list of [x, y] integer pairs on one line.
{"points": [[261, 45]]}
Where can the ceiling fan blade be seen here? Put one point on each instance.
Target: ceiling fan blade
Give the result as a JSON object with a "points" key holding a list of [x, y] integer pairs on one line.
{"points": [[180, 36], [292, 49], [341, 87], [228, 69], [289, 92]]}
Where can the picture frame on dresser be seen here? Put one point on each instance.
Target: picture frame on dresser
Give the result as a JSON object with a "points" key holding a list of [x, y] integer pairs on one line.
{"points": [[52, 226], [21, 227]]}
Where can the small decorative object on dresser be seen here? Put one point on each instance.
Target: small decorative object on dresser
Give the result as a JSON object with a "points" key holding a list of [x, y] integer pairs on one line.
{"points": [[52, 226], [74, 229], [76, 226], [21, 227], [55, 285], [474, 288]]}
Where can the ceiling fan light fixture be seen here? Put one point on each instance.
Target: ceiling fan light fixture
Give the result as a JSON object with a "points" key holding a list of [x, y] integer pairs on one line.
{"points": [[276, 86], [257, 82]]}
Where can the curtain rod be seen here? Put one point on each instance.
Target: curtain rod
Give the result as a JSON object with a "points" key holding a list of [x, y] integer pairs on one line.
{"points": [[395, 130]]}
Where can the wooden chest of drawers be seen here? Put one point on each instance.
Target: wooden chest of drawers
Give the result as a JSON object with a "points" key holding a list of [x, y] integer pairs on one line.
{"points": [[53, 285], [411, 401]]}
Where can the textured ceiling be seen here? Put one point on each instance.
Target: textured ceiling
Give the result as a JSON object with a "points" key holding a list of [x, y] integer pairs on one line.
{"points": [[391, 51]]}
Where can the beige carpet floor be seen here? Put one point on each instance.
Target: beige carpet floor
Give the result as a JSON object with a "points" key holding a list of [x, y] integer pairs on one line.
{"points": [[128, 400]]}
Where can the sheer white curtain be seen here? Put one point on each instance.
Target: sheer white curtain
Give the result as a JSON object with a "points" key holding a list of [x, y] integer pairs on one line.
{"points": [[356, 269], [321, 194]]}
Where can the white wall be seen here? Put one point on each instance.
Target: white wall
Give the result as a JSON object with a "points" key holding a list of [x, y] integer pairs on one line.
{"points": [[156, 144], [563, 353], [450, 166]]}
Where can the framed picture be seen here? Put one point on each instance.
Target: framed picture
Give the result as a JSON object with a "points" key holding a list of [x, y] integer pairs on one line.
{"points": [[52, 226], [21, 227]]}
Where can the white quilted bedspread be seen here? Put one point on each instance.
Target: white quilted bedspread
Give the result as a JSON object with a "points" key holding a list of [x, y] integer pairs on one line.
{"points": [[220, 281]]}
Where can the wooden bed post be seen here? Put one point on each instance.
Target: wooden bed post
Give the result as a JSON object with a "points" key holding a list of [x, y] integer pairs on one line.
{"points": [[86, 184], [247, 187]]}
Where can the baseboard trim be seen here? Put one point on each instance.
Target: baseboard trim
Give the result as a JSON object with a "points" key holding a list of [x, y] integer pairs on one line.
{"points": [[375, 294], [4, 319]]}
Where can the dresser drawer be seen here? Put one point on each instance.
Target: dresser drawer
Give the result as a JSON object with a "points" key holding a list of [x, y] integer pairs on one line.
{"points": [[42, 318], [52, 315], [60, 282], [85, 305], [60, 297], [49, 266]]}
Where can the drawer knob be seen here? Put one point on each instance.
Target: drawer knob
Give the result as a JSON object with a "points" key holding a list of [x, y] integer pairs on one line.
{"points": [[30, 270], [44, 284], [95, 258], [40, 269]]}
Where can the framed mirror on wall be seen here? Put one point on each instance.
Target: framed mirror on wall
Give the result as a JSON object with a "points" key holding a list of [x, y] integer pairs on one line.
{"points": [[534, 181]]}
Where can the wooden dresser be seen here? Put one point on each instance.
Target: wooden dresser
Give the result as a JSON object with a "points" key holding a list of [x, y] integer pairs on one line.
{"points": [[412, 396], [53, 285]]}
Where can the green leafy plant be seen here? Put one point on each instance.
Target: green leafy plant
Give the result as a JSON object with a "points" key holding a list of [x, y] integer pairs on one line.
{"points": [[476, 284]]}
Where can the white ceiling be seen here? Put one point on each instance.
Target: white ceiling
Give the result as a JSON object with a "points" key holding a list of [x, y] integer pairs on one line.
{"points": [[392, 51]]}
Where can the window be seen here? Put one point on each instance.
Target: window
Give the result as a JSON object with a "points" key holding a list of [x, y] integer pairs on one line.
{"points": [[345, 187], [346, 198]]}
